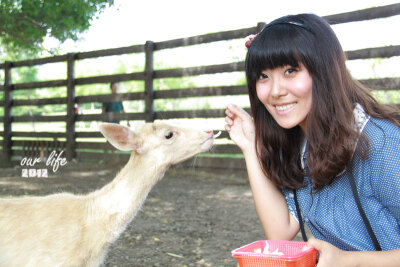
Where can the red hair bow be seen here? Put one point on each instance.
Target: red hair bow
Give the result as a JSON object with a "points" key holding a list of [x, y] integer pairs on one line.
{"points": [[249, 39]]}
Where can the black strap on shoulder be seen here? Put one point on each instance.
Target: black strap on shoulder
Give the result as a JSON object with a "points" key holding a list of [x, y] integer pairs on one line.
{"points": [[296, 202], [361, 210]]}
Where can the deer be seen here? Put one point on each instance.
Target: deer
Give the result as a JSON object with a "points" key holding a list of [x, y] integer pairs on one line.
{"points": [[65, 229]]}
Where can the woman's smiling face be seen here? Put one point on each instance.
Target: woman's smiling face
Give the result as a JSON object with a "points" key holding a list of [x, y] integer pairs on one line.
{"points": [[286, 93]]}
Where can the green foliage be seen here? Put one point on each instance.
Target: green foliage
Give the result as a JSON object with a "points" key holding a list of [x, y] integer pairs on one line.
{"points": [[25, 23], [24, 75], [20, 75], [392, 96]]}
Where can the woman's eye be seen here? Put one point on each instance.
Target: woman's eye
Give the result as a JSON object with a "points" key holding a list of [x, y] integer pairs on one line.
{"points": [[263, 76], [169, 135], [290, 70]]}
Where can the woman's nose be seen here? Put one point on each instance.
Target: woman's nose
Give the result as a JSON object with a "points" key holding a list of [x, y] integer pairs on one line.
{"points": [[278, 89]]}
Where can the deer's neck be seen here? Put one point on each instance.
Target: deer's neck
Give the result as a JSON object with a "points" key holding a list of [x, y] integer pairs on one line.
{"points": [[116, 204]]}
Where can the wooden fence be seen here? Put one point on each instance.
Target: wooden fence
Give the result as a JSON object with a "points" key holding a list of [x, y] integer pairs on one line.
{"points": [[14, 149]]}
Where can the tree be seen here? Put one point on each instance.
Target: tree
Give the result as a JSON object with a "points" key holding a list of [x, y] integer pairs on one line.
{"points": [[25, 23]]}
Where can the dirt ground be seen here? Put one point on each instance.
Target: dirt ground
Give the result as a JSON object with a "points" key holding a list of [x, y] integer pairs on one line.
{"points": [[193, 217]]}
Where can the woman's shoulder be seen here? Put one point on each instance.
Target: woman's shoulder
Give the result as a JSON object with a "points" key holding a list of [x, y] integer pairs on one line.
{"points": [[382, 165], [383, 141], [377, 128]]}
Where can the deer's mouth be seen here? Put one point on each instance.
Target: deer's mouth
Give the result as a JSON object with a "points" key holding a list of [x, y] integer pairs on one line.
{"points": [[207, 144]]}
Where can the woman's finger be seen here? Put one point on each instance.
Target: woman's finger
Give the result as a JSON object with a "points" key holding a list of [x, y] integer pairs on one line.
{"points": [[228, 113], [314, 243], [228, 120], [241, 113]]}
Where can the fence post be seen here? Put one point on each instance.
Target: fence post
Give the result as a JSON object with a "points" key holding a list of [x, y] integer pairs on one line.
{"points": [[71, 117], [7, 142], [260, 26], [149, 77]]}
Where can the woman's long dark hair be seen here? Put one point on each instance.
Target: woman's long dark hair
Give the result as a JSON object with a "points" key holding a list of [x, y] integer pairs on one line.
{"points": [[330, 132]]}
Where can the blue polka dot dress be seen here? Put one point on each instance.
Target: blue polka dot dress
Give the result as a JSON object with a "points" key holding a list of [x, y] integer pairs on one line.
{"points": [[332, 213]]}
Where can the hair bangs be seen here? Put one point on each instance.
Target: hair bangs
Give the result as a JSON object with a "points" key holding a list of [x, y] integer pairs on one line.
{"points": [[273, 47]]}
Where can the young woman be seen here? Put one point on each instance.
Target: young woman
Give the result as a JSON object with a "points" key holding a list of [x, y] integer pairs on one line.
{"points": [[313, 131]]}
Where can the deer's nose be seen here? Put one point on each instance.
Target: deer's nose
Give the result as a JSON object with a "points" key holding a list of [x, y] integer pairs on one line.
{"points": [[210, 132]]}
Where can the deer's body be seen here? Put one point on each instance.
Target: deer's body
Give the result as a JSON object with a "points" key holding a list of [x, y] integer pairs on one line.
{"points": [[70, 230]]}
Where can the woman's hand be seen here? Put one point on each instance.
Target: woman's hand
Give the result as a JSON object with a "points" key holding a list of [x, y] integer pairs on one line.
{"points": [[240, 127], [329, 255]]}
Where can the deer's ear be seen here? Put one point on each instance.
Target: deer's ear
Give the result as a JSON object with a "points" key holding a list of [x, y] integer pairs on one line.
{"points": [[121, 137]]}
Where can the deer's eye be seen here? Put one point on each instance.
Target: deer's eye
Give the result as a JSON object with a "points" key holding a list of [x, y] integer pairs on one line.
{"points": [[169, 135]]}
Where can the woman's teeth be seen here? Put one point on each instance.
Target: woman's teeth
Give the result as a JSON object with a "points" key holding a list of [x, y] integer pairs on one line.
{"points": [[284, 107]]}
